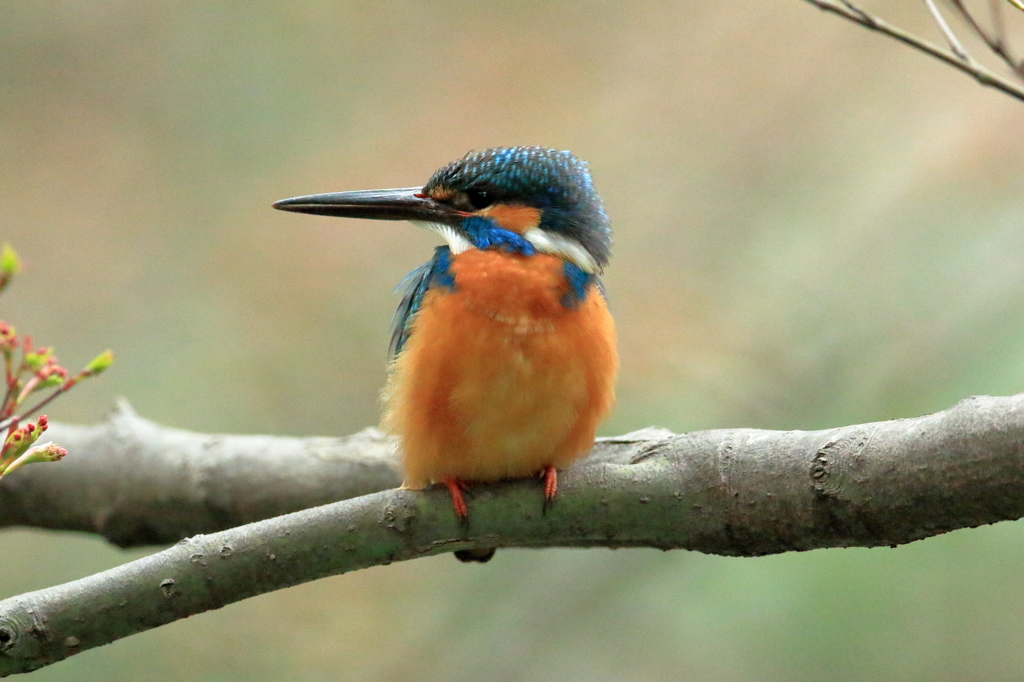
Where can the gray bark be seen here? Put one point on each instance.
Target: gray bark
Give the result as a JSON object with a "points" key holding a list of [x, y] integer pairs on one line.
{"points": [[739, 492], [138, 483]]}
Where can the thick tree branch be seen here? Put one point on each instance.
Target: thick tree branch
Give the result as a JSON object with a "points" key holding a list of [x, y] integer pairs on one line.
{"points": [[139, 483], [136, 482], [740, 492]]}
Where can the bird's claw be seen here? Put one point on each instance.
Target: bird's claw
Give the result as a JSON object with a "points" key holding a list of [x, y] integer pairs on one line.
{"points": [[550, 477], [455, 488]]}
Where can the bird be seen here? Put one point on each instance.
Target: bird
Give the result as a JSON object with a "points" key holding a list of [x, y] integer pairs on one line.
{"points": [[503, 356]]}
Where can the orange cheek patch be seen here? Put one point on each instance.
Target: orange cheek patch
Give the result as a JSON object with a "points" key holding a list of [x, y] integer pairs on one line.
{"points": [[512, 217]]}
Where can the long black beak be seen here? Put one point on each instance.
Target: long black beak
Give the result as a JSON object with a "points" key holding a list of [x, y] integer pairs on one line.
{"points": [[380, 204]]}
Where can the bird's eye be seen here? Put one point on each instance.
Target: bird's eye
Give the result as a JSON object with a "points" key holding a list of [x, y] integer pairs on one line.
{"points": [[480, 198]]}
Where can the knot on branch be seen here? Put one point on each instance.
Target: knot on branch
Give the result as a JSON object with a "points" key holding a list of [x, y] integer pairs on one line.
{"points": [[8, 637], [832, 463]]}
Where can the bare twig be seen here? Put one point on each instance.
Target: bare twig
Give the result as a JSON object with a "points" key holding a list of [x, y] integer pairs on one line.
{"points": [[995, 10], [954, 43], [995, 39], [986, 77], [740, 492]]}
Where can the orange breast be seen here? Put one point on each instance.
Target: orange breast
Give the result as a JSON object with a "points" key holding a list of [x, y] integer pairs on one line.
{"points": [[499, 379]]}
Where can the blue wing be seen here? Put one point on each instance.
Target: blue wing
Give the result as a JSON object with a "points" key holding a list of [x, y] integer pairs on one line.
{"points": [[414, 287], [578, 281]]}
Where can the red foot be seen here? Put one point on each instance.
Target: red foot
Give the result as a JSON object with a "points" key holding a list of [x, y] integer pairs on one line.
{"points": [[550, 484], [455, 487]]}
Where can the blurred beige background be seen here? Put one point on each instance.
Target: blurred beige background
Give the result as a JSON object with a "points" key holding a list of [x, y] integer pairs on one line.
{"points": [[814, 226]]}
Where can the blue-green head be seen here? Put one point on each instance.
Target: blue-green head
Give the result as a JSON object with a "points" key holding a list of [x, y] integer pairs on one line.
{"points": [[520, 199]]}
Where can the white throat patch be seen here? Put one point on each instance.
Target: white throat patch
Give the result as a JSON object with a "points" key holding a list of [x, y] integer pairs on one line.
{"points": [[544, 241], [559, 245], [456, 242]]}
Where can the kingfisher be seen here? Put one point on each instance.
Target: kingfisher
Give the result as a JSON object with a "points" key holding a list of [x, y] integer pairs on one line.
{"points": [[503, 356]]}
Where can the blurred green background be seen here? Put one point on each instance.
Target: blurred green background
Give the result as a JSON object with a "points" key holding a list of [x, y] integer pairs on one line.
{"points": [[814, 226]]}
